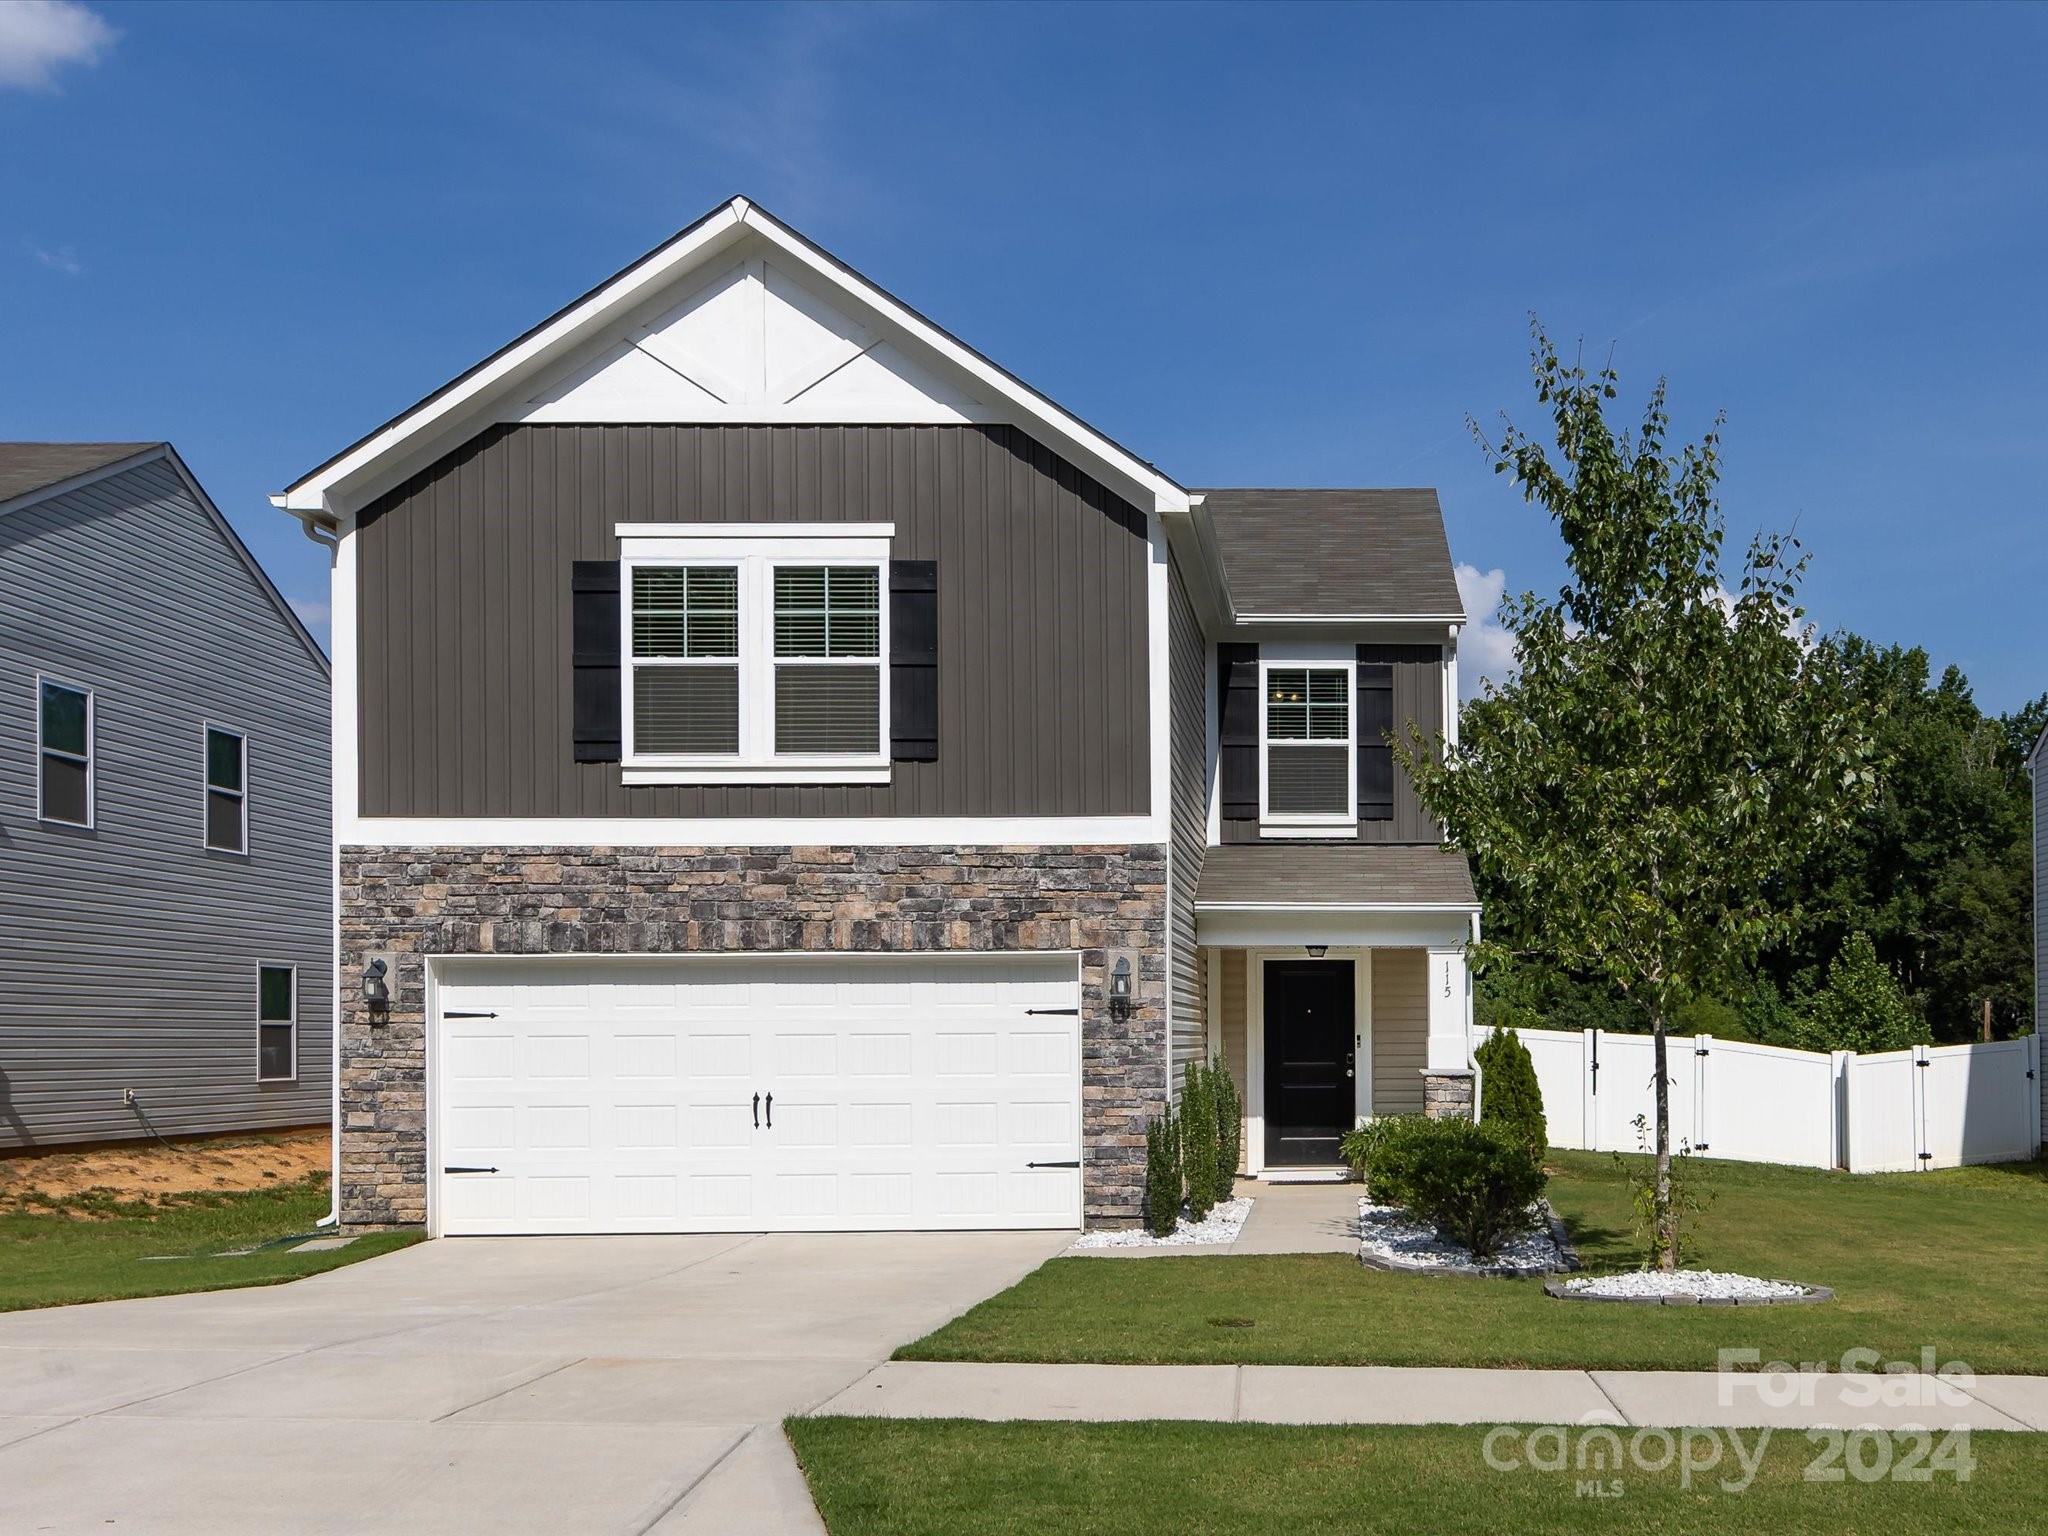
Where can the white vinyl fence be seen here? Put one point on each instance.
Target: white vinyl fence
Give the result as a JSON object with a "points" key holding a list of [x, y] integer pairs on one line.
{"points": [[1930, 1107]]}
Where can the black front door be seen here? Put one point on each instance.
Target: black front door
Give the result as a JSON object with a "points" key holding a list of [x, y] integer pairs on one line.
{"points": [[1309, 1052]]}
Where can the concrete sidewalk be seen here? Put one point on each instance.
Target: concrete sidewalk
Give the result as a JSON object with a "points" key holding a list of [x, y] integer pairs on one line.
{"points": [[1374, 1394]]}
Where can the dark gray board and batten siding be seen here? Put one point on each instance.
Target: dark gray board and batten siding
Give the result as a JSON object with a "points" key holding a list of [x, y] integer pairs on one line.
{"points": [[1189, 783], [129, 952], [1418, 676], [464, 606]]}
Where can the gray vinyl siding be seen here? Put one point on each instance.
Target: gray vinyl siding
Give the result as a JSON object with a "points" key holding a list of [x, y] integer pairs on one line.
{"points": [[129, 953], [1190, 829], [1418, 702], [1400, 1029], [1233, 1006], [464, 606]]}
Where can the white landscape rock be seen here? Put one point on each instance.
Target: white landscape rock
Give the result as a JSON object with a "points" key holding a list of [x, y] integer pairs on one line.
{"points": [[1699, 1284], [1390, 1238], [1221, 1225]]}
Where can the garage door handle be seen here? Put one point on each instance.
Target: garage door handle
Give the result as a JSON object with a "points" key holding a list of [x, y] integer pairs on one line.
{"points": [[469, 1170], [757, 1111], [771, 1111], [1074, 1164]]}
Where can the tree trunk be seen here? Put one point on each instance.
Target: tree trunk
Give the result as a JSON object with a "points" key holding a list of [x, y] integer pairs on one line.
{"points": [[1665, 1241]]}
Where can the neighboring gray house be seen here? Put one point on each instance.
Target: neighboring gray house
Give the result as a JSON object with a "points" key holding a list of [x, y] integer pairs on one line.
{"points": [[790, 774], [166, 884]]}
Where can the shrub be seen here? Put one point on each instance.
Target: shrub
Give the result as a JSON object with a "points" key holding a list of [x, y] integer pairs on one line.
{"points": [[1229, 1129], [1365, 1148], [1473, 1183], [1860, 1008], [1198, 1140], [1162, 1173], [1511, 1096]]}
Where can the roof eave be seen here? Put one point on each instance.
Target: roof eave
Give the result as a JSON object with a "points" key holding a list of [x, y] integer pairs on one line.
{"points": [[327, 491]]}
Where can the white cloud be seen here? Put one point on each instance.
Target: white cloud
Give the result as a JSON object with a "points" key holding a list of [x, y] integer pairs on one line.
{"points": [[37, 37], [59, 259], [313, 612], [1486, 652]]}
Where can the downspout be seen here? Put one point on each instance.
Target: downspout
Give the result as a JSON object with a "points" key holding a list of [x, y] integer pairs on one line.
{"points": [[325, 534]]}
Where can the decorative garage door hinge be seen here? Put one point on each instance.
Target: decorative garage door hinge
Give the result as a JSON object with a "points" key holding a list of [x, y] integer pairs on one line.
{"points": [[1072, 1012], [459, 1169], [456, 1013], [1075, 1163]]}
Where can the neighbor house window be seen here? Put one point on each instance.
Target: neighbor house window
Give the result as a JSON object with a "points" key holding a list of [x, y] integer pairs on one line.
{"points": [[64, 763], [227, 790], [1309, 757], [754, 653], [277, 1021]]}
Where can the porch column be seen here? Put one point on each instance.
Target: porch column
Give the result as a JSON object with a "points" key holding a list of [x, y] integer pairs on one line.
{"points": [[1448, 1081]]}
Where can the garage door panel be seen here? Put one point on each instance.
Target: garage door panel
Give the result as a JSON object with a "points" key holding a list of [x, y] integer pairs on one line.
{"points": [[620, 1095]]}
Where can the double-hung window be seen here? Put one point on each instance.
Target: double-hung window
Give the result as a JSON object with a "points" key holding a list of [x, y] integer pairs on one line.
{"points": [[227, 790], [64, 753], [754, 653], [1308, 754], [277, 1022]]}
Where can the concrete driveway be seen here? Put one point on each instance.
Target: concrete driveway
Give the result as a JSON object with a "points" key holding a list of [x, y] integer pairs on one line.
{"points": [[598, 1385]]}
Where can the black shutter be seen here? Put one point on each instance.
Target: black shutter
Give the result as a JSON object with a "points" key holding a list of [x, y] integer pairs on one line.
{"points": [[1237, 731], [594, 623], [1375, 730], [914, 661]]}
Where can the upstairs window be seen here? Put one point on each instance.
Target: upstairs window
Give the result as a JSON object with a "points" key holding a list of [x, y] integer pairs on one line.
{"points": [[277, 1023], [64, 753], [227, 790], [755, 654], [686, 660], [828, 660], [1309, 762]]}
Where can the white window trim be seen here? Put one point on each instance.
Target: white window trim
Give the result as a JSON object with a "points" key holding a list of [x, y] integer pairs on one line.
{"points": [[92, 753], [207, 788], [756, 549], [1326, 658], [263, 1023]]}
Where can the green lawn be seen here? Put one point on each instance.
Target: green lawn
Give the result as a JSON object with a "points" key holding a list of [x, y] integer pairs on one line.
{"points": [[1951, 1259], [952, 1478], [96, 1248]]}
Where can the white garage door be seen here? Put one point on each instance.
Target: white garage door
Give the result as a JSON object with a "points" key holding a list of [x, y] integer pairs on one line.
{"points": [[747, 1095]]}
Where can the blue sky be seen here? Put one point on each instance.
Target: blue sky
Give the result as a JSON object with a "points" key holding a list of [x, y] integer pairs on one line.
{"points": [[1260, 246]]}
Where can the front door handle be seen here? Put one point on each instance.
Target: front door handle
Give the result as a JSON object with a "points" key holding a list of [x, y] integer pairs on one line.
{"points": [[771, 1111], [757, 1111]]}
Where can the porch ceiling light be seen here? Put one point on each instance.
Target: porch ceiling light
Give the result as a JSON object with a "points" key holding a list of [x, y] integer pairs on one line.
{"points": [[1317, 951]]}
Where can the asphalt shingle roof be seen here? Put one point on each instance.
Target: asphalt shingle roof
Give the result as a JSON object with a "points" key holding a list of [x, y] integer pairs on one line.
{"points": [[26, 467], [1307, 874], [1377, 553]]}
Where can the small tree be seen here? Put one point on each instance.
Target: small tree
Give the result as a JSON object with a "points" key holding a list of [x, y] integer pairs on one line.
{"points": [[1668, 751], [1198, 1140], [1860, 1009], [1229, 1129], [1162, 1173], [1510, 1095]]}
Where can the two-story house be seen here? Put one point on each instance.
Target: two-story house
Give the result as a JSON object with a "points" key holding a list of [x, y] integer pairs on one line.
{"points": [[166, 865], [792, 774]]}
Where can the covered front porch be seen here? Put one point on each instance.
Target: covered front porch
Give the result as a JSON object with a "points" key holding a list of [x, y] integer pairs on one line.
{"points": [[1336, 990]]}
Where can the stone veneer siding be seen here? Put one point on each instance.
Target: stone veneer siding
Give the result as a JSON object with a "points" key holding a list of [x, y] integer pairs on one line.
{"points": [[421, 902], [1447, 1095]]}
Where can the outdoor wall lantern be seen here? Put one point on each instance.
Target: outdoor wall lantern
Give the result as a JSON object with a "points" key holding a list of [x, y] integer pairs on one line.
{"points": [[377, 988], [1317, 951], [1120, 989]]}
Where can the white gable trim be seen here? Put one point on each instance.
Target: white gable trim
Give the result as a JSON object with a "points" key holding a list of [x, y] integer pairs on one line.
{"points": [[434, 425]]}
